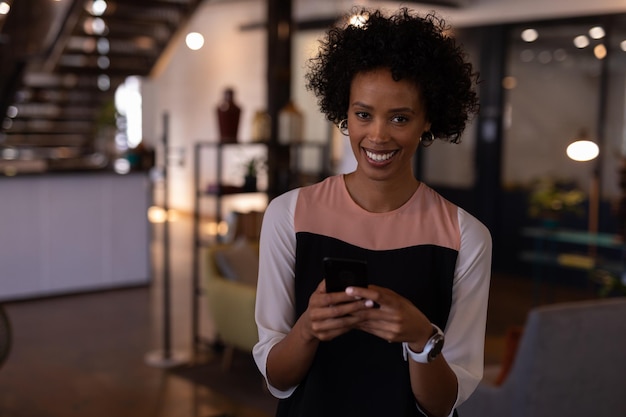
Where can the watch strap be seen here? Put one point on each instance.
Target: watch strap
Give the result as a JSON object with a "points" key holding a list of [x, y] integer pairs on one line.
{"points": [[431, 350]]}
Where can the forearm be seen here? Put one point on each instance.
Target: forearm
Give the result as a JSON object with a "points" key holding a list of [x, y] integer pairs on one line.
{"points": [[290, 359], [434, 386]]}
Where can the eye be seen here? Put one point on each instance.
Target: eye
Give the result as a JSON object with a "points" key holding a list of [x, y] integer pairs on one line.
{"points": [[362, 115], [399, 119]]}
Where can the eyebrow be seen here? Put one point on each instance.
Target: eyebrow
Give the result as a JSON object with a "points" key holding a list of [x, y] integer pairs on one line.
{"points": [[396, 110]]}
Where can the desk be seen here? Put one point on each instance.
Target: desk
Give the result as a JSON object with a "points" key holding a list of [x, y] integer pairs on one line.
{"points": [[547, 250]]}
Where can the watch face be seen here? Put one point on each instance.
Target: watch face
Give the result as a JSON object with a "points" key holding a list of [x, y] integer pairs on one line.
{"points": [[437, 345]]}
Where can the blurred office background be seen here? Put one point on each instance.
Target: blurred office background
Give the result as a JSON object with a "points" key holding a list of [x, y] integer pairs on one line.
{"points": [[108, 114]]}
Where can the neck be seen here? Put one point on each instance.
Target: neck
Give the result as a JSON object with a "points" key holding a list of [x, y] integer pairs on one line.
{"points": [[380, 196]]}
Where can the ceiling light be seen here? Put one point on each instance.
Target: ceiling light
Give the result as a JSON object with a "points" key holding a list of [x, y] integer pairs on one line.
{"points": [[359, 20], [623, 45], [12, 112], [600, 51], [194, 41], [94, 26], [103, 62], [583, 149], [581, 41], [98, 7], [544, 57], [597, 32], [103, 46], [530, 35], [121, 166], [98, 26], [4, 8], [104, 82], [527, 55]]}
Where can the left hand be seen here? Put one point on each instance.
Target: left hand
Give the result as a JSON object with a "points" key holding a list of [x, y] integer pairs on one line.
{"points": [[396, 320]]}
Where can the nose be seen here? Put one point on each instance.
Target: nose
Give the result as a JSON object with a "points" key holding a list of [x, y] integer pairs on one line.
{"points": [[378, 131]]}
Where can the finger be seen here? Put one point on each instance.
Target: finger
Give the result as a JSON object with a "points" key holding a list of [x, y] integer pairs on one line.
{"points": [[335, 323], [370, 292], [374, 296], [338, 298], [323, 299], [335, 310], [378, 328], [331, 328]]}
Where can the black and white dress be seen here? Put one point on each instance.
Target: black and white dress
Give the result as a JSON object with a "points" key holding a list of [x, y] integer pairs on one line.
{"points": [[429, 251]]}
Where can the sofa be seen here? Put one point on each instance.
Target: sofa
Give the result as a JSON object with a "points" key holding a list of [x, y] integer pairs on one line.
{"points": [[571, 361]]}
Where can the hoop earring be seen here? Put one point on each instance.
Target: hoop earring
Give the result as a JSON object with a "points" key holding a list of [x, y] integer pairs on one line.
{"points": [[343, 127], [427, 138]]}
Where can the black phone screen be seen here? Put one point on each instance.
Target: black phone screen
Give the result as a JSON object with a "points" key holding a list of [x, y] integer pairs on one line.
{"points": [[340, 273]]}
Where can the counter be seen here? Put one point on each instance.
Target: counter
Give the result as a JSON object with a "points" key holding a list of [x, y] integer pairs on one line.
{"points": [[68, 233]]}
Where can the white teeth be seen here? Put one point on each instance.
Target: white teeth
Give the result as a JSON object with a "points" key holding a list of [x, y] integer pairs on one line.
{"points": [[378, 157]]}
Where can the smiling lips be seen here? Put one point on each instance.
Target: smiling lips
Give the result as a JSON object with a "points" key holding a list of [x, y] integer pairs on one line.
{"points": [[380, 157]]}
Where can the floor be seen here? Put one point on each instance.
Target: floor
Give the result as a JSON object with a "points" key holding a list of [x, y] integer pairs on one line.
{"points": [[102, 354]]}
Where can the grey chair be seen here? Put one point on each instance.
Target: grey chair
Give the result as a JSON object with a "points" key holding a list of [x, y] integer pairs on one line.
{"points": [[571, 361]]}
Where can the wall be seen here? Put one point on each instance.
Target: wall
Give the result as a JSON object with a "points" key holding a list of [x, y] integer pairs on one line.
{"points": [[191, 84]]}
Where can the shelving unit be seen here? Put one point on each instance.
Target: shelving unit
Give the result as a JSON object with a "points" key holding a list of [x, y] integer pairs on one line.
{"points": [[573, 249], [218, 190]]}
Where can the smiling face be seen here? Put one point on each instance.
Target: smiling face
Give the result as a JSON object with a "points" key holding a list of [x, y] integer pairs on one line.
{"points": [[386, 119]]}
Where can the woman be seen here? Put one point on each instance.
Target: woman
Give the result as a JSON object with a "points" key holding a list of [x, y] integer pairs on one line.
{"points": [[391, 83]]}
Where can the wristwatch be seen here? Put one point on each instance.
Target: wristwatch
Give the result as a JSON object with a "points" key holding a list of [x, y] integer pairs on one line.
{"points": [[432, 349]]}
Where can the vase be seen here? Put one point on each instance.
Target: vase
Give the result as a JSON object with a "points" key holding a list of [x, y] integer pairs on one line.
{"points": [[290, 124], [228, 114], [261, 126]]}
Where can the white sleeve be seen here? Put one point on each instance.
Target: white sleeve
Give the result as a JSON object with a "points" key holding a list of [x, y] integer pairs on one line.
{"points": [[465, 330], [275, 299]]}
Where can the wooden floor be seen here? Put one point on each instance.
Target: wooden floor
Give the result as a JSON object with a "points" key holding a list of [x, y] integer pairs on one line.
{"points": [[85, 355]]}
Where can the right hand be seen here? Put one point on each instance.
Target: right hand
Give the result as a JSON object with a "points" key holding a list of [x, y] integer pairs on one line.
{"points": [[330, 314]]}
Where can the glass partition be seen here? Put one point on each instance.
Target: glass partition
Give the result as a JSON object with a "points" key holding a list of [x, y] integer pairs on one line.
{"points": [[565, 81]]}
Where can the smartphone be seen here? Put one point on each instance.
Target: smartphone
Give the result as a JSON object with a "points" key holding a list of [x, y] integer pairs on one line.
{"points": [[340, 273]]}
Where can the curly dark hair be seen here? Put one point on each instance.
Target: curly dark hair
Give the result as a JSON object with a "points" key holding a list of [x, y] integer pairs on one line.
{"points": [[412, 47]]}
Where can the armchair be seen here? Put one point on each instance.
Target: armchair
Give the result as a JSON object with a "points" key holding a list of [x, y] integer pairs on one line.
{"points": [[571, 361], [230, 282]]}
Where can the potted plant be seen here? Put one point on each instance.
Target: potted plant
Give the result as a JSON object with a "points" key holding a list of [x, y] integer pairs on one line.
{"points": [[550, 198], [252, 167], [609, 283]]}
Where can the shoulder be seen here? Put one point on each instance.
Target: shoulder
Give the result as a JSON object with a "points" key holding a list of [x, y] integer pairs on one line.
{"points": [[280, 211], [433, 199], [473, 229], [284, 201]]}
